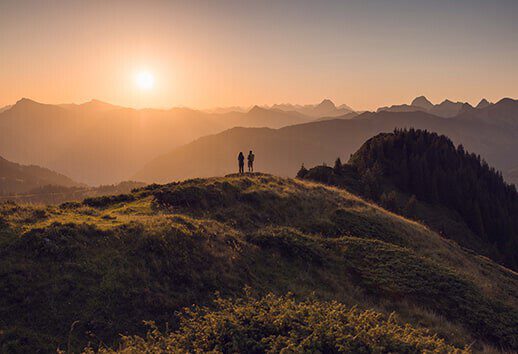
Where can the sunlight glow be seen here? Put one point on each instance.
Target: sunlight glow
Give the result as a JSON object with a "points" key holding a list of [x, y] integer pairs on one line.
{"points": [[145, 80]]}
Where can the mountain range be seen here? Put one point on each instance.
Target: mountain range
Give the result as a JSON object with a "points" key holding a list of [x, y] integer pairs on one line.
{"points": [[326, 108], [445, 109], [402, 253], [99, 143], [486, 131]]}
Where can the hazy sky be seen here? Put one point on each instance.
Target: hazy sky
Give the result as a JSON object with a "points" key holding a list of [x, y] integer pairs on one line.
{"points": [[221, 53]]}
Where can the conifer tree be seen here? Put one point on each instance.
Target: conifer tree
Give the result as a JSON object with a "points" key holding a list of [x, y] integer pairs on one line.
{"points": [[338, 166], [302, 172]]}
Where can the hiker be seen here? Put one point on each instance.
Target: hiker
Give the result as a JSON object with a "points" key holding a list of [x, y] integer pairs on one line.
{"points": [[251, 158], [241, 160]]}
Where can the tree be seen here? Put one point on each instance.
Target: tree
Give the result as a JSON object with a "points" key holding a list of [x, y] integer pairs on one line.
{"points": [[389, 201], [431, 168], [338, 166], [302, 172]]}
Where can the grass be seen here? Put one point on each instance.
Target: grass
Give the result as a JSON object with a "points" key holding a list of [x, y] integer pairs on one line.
{"points": [[273, 324], [111, 263]]}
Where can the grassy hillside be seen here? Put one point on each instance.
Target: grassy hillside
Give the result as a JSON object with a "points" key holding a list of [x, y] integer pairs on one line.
{"points": [[88, 272]]}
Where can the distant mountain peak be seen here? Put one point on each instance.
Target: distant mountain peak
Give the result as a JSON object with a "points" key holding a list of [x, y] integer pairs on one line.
{"points": [[327, 103], [25, 103], [483, 103], [326, 108], [346, 107], [96, 101], [99, 105], [25, 100], [507, 100], [422, 102], [257, 109]]}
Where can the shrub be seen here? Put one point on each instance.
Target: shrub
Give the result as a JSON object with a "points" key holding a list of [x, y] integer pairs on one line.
{"points": [[338, 166], [273, 324], [107, 200]]}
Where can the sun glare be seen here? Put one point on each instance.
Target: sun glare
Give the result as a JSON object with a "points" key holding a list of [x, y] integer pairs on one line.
{"points": [[145, 80]]}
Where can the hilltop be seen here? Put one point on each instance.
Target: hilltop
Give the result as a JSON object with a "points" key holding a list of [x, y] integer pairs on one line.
{"points": [[422, 175], [108, 263]]}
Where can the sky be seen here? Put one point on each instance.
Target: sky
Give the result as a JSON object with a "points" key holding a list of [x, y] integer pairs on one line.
{"points": [[205, 54]]}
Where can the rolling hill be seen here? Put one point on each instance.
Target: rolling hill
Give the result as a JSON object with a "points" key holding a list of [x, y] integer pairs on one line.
{"points": [[87, 272], [423, 176], [99, 143], [282, 151], [16, 178]]}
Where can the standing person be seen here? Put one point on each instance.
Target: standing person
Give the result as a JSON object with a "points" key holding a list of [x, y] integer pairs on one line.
{"points": [[251, 158], [241, 160]]}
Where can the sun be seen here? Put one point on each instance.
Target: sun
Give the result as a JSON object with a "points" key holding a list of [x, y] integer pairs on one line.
{"points": [[145, 80]]}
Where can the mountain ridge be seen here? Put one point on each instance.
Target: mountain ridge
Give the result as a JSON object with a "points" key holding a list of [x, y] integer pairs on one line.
{"points": [[16, 178], [282, 151], [325, 108], [99, 143], [423, 102], [445, 109]]}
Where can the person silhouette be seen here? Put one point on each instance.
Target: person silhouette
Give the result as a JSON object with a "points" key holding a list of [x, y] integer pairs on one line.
{"points": [[251, 158], [241, 161]]}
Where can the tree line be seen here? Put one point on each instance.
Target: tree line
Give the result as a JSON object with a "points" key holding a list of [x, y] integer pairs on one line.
{"points": [[430, 167]]}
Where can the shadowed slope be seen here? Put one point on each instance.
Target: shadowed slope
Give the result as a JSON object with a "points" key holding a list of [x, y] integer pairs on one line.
{"points": [[16, 178]]}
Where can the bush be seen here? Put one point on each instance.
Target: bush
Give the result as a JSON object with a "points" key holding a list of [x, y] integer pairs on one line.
{"points": [[273, 324], [107, 200]]}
